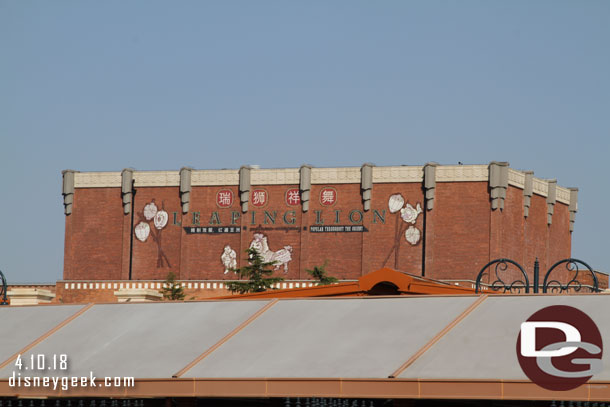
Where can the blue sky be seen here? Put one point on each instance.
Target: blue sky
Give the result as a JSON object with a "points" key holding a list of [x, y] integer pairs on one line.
{"points": [[99, 86]]}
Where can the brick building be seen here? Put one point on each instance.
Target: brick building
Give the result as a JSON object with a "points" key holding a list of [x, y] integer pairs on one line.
{"points": [[441, 222]]}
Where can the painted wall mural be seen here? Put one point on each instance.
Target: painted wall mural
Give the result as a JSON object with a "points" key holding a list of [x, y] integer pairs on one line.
{"points": [[282, 256], [409, 215], [412, 235], [229, 259], [158, 218], [153, 220]]}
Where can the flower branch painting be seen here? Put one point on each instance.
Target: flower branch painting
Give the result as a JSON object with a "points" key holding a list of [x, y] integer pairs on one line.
{"points": [[408, 214], [158, 218]]}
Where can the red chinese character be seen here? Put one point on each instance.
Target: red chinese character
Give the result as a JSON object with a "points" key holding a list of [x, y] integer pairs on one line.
{"points": [[293, 197], [328, 196], [259, 197], [224, 198]]}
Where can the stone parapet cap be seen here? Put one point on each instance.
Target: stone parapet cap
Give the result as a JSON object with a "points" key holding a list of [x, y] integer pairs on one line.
{"points": [[462, 173], [114, 285], [138, 295], [30, 296], [320, 176]]}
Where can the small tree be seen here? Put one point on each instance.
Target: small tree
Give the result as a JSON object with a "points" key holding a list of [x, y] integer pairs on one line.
{"points": [[171, 289], [319, 273], [257, 272]]}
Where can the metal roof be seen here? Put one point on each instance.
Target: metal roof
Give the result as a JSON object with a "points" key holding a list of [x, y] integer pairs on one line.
{"points": [[20, 326], [332, 338], [403, 346], [483, 345]]}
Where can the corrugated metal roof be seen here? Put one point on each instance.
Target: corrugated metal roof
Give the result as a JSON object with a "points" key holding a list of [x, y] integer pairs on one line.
{"points": [[140, 340], [20, 326], [425, 342], [332, 338], [483, 345]]}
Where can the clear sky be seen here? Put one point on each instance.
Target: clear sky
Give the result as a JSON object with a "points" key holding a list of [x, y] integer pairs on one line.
{"points": [[104, 85]]}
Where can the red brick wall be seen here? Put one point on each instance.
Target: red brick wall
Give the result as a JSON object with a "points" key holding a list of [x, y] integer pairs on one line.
{"points": [[511, 227], [559, 242], [342, 250], [507, 239], [536, 233], [458, 230], [461, 233], [94, 235], [81, 296]]}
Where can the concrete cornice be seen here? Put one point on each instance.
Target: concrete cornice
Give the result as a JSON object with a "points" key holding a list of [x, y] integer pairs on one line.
{"points": [[214, 177], [462, 173], [320, 176], [344, 175], [280, 176], [411, 173]]}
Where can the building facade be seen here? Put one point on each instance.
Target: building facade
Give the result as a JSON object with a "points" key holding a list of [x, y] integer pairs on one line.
{"points": [[441, 222]]}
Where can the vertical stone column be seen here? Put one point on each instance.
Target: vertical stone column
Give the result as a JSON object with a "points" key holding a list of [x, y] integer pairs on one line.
{"points": [[430, 184], [185, 188], [68, 195], [573, 207], [528, 191], [366, 185], [366, 188], [244, 198], [244, 187], [305, 187], [127, 189], [127, 196], [68, 190], [427, 246], [498, 183], [551, 198]]}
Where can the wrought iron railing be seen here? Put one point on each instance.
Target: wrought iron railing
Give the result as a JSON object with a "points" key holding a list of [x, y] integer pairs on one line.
{"points": [[500, 267], [501, 276], [573, 270]]}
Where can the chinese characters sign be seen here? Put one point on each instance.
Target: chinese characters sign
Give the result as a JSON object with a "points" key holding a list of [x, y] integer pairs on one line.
{"points": [[293, 197], [224, 198], [259, 197], [328, 196]]}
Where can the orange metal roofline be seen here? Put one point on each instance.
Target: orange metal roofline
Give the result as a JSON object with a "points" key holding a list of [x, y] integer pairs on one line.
{"points": [[406, 284]]}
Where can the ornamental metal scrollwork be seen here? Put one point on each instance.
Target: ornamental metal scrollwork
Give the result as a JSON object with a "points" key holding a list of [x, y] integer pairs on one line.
{"points": [[571, 266], [3, 288], [501, 266]]}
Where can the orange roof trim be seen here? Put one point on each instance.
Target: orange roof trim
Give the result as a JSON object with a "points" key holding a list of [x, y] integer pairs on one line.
{"points": [[385, 281]]}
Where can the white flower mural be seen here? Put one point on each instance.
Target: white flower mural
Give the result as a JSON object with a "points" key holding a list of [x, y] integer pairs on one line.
{"points": [[396, 202], [412, 235], [143, 230], [409, 215]]}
